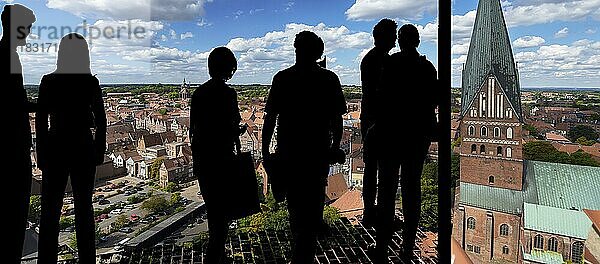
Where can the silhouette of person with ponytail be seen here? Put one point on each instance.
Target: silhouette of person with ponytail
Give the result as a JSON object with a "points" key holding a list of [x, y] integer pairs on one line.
{"points": [[72, 99]]}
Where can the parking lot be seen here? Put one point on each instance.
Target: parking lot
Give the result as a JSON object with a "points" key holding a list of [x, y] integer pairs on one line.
{"points": [[116, 194]]}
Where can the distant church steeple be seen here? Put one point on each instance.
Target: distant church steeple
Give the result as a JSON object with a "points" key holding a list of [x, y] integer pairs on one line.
{"points": [[184, 91]]}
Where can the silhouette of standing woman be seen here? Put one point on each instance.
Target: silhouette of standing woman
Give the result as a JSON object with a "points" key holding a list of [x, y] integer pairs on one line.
{"points": [[72, 99], [214, 133], [16, 25]]}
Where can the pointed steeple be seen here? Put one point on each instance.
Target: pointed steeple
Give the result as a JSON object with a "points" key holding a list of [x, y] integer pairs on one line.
{"points": [[490, 53]]}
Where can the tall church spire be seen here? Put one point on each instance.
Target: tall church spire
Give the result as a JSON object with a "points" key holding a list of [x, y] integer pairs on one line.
{"points": [[490, 53]]}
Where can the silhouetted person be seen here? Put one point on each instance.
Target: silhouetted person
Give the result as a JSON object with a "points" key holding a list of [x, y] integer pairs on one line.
{"points": [[371, 69], [405, 126], [215, 130], [306, 149], [16, 24], [72, 99]]}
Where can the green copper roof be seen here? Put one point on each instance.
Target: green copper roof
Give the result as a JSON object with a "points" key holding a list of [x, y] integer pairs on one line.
{"points": [[565, 222], [490, 52], [565, 186], [542, 256], [491, 198]]}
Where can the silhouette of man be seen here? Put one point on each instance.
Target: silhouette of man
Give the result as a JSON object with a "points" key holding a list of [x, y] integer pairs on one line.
{"points": [[71, 98], [16, 25], [405, 126], [371, 69], [307, 149]]}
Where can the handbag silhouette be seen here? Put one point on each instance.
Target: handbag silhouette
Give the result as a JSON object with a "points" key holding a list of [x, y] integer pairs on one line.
{"points": [[244, 188]]}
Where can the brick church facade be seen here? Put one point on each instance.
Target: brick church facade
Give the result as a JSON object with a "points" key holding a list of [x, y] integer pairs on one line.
{"points": [[497, 218]]}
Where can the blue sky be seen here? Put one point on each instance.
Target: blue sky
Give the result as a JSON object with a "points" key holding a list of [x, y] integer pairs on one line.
{"points": [[181, 33], [555, 42]]}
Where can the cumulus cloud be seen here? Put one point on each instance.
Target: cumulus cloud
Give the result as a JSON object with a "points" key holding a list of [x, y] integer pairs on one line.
{"points": [[282, 41], [376, 9], [522, 13], [562, 33], [554, 64], [528, 42], [187, 35], [174, 10]]}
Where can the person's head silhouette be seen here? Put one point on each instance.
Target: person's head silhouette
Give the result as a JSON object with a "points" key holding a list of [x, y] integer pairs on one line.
{"points": [[73, 55], [408, 37], [16, 24], [221, 64], [384, 34], [309, 47]]}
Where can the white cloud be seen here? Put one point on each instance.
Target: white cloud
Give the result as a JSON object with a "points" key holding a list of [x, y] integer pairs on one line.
{"points": [[576, 63], [562, 33], [590, 31], [460, 49], [187, 35], [376, 9], [531, 12], [203, 23], [528, 42], [175, 10]]}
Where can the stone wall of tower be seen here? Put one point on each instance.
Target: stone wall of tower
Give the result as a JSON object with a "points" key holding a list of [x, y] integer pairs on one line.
{"points": [[491, 149]]}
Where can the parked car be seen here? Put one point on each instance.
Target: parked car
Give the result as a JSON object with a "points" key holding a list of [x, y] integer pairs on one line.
{"points": [[116, 211], [126, 230], [70, 229], [104, 216], [129, 207], [134, 217], [103, 202]]}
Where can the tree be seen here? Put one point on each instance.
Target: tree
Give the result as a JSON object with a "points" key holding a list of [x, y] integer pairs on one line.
{"points": [[583, 158], [155, 168], [274, 216], [35, 208], [543, 151], [584, 141], [120, 221], [175, 198], [330, 215], [532, 130], [163, 111], [454, 174], [173, 95], [73, 241], [171, 187], [135, 199], [429, 196], [155, 204], [582, 131], [65, 222]]}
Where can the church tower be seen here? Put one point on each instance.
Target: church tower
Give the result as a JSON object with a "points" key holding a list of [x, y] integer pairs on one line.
{"points": [[491, 116], [487, 219], [184, 91]]}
